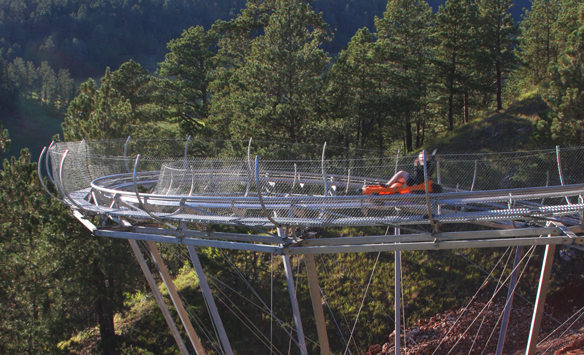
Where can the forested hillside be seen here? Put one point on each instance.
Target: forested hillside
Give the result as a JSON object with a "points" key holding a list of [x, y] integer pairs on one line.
{"points": [[406, 76]]}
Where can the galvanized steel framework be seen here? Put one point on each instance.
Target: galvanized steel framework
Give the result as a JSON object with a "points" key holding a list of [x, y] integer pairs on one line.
{"points": [[526, 198]]}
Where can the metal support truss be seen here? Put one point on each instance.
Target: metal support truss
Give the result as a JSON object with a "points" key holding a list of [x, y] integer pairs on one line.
{"points": [[209, 298], [182, 313], [317, 304], [397, 295], [158, 297], [544, 280], [509, 302], [292, 290]]}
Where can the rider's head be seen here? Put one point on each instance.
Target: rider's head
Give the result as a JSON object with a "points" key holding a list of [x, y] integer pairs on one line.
{"points": [[420, 159]]}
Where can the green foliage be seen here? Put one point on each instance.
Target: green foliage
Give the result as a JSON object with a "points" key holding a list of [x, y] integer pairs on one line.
{"points": [[405, 51], [538, 42], [123, 105], [276, 92], [4, 140], [54, 274], [455, 34], [498, 39], [188, 64], [565, 94], [354, 100], [87, 35], [263, 73], [42, 84]]}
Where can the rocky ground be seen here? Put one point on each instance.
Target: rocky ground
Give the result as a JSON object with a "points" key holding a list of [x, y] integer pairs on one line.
{"points": [[475, 330]]}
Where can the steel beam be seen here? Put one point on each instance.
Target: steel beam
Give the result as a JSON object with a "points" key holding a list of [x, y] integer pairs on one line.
{"points": [[158, 297], [509, 303], [209, 298], [442, 245], [182, 313], [295, 308], [506, 233], [238, 237], [316, 299], [186, 241], [397, 291], [544, 280]]}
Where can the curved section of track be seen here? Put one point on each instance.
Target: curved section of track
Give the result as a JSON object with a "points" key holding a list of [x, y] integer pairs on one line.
{"points": [[100, 178]]}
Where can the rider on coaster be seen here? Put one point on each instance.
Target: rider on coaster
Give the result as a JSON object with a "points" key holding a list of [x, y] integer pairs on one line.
{"points": [[402, 177]]}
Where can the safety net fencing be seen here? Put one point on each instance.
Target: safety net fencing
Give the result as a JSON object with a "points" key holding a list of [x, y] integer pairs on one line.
{"points": [[259, 183]]}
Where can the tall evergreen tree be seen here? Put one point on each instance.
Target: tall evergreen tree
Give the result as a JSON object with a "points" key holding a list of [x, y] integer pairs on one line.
{"points": [[235, 38], [123, 105], [48, 83], [275, 93], [405, 48], [55, 275], [456, 44], [188, 63], [4, 140], [566, 91], [353, 94], [538, 42], [498, 32]]}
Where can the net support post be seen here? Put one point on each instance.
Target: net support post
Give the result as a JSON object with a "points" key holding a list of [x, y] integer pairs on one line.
{"points": [[397, 298], [316, 299], [427, 187], [544, 280], [292, 290], [324, 171], [158, 297], [126, 154], [560, 171], [209, 298], [182, 313], [509, 302]]}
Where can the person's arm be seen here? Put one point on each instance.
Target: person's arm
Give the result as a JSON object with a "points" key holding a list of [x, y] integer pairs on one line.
{"points": [[400, 174]]}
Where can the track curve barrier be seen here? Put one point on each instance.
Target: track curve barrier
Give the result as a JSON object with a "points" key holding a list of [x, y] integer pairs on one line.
{"points": [[266, 184]]}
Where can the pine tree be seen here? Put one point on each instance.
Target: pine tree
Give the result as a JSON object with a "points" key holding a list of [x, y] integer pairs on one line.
{"points": [[498, 32], [188, 63], [456, 50], [55, 275], [404, 46], [4, 140], [48, 83], [123, 105], [235, 38], [538, 42], [275, 93], [353, 94], [566, 91]]}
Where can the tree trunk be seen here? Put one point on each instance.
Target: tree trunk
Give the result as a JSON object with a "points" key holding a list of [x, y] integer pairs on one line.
{"points": [[499, 86], [450, 113], [465, 107], [105, 314], [409, 143]]}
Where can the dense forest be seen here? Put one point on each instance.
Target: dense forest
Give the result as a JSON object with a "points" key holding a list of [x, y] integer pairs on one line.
{"points": [[401, 74]]}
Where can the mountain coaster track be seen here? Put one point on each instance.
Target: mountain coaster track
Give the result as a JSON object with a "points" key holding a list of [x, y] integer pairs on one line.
{"points": [[525, 198]]}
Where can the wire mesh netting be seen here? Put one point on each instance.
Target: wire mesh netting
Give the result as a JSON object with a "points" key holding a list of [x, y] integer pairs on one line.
{"points": [[267, 183]]}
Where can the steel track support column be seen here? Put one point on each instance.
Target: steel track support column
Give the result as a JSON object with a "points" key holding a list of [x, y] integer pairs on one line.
{"points": [[158, 297], [397, 297], [295, 308], [317, 304], [209, 298], [544, 280], [509, 302], [182, 313], [282, 232]]}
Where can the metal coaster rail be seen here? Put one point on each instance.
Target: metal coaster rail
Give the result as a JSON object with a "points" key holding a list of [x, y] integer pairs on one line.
{"points": [[179, 193]]}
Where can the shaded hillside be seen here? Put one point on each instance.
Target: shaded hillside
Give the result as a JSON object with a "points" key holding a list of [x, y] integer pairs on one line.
{"points": [[509, 130]]}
